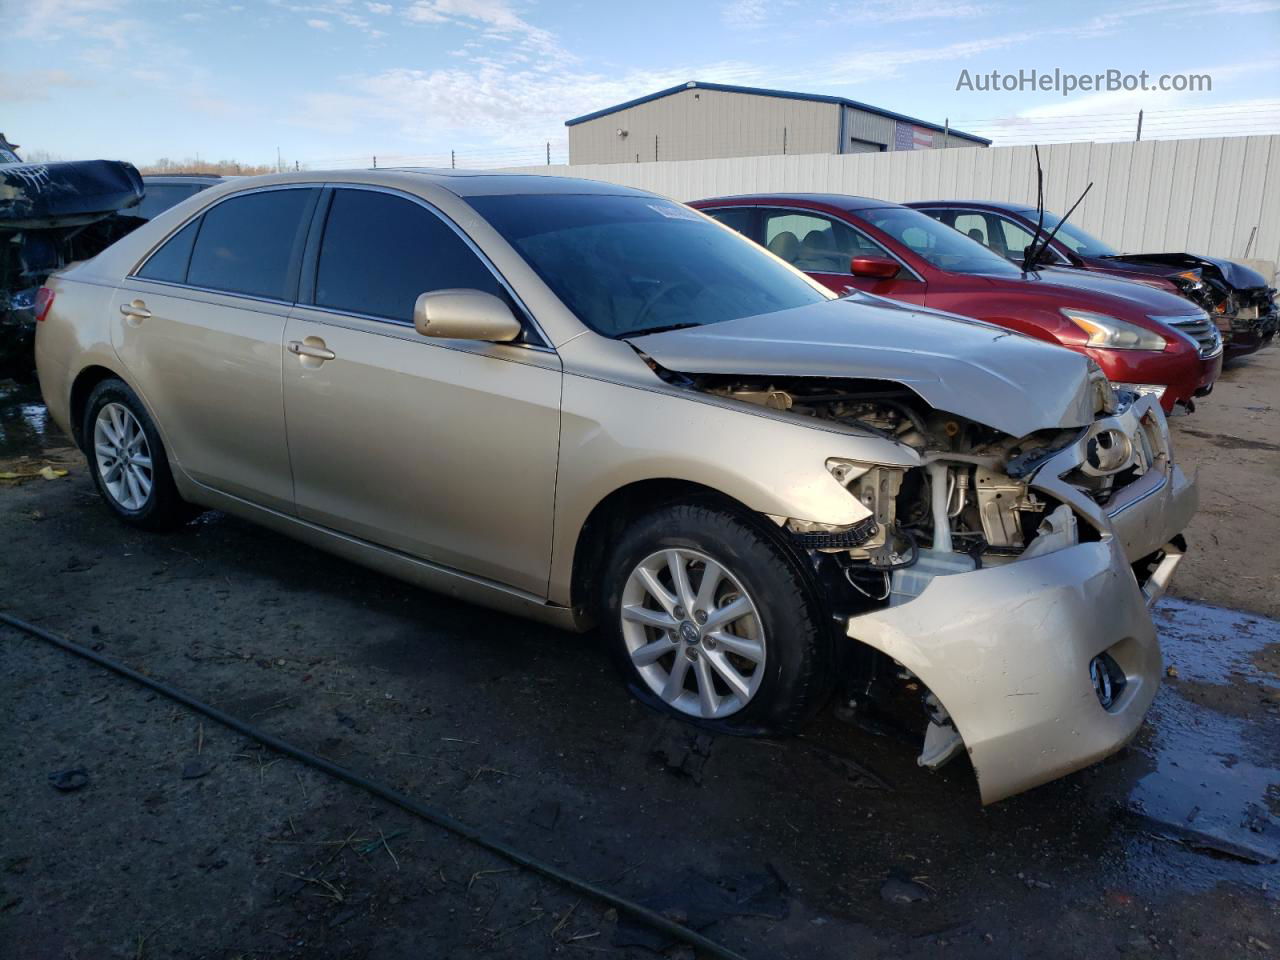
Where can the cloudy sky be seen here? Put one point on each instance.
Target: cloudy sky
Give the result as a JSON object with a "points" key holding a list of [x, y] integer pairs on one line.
{"points": [[333, 82]]}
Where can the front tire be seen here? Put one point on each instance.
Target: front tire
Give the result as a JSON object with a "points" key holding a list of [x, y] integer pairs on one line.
{"points": [[710, 619], [128, 461]]}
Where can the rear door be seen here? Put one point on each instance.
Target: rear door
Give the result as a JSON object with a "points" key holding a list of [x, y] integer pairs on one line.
{"points": [[443, 449], [200, 328]]}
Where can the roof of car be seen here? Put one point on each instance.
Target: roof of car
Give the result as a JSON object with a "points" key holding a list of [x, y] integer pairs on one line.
{"points": [[461, 183], [984, 204], [181, 178], [479, 183], [839, 201]]}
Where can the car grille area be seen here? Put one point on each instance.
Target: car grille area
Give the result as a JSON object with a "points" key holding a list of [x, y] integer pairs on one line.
{"points": [[1200, 329]]}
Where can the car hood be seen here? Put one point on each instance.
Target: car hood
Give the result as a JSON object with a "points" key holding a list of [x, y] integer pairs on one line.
{"points": [[965, 367], [1143, 298], [1234, 274]]}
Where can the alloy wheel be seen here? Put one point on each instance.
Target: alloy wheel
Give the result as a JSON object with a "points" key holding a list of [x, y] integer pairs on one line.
{"points": [[693, 633], [123, 456]]}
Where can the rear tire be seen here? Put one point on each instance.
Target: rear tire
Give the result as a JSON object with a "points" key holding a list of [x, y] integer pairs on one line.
{"points": [[710, 619], [128, 461]]}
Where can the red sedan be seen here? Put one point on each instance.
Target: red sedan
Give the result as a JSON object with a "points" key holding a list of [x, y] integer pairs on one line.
{"points": [[1145, 339]]}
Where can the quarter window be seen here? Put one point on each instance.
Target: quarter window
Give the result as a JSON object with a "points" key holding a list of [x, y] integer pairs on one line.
{"points": [[252, 244], [380, 252], [169, 263]]}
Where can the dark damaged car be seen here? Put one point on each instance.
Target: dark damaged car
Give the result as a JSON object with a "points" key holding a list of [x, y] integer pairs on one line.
{"points": [[51, 215], [1239, 298]]}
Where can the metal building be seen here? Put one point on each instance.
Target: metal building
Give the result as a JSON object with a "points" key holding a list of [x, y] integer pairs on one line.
{"points": [[701, 121]]}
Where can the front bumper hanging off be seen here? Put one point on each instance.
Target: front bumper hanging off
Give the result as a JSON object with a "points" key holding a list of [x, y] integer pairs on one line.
{"points": [[1008, 649]]}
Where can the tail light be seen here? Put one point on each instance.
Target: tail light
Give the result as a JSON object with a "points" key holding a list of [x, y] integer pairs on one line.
{"points": [[44, 300]]}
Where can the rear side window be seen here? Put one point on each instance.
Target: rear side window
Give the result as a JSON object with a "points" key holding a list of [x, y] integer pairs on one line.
{"points": [[739, 218], [380, 252], [169, 263], [251, 244], [159, 197]]}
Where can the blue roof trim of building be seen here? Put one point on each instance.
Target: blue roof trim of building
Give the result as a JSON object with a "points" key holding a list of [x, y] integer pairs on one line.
{"points": [[784, 94]]}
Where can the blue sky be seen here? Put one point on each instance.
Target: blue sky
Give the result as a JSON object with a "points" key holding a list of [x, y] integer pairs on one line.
{"points": [[333, 82]]}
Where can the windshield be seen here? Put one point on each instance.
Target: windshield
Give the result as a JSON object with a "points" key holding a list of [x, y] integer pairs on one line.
{"points": [[8, 156], [1075, 239], [634, 264], [943, 246]]}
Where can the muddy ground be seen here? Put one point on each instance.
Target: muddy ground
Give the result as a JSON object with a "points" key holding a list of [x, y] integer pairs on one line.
{"points": [[190, 842]]}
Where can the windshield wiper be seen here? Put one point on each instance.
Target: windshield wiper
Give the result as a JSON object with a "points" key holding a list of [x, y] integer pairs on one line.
{"points": [[662, 329]]}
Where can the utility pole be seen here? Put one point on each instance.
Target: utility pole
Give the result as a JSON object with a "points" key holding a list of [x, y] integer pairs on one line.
{"points": [[375, 161], [1139, 136], [453, 160], [946, 132], [548, 153]]}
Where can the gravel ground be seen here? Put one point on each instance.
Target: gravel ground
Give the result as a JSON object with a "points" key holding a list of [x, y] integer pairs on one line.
{"points": [[190, 842]]}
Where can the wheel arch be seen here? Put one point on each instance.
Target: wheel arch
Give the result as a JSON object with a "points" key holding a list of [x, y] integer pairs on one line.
{"points": [[607, 518], [81, 389]]}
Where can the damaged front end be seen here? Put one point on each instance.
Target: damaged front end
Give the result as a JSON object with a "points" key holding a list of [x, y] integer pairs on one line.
{"points": [[1005, 582], [52, 215], [1236, 297]]}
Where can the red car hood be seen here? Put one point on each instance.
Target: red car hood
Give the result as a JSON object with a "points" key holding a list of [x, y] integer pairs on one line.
{"points": [[1144, 298]]}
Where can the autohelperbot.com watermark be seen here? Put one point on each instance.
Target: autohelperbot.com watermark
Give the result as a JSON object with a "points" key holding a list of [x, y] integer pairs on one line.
{"points": [[1067, 82]]}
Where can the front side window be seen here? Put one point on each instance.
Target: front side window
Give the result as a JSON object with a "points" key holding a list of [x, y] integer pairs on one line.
{"points": [[815, 243], [169, 263], [251, 244], [629, 264], [973, 226], [381, 252], [940, 245]]}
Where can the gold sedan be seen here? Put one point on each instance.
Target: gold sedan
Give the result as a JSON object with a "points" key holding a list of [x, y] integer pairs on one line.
{"points": [[588, 404]]}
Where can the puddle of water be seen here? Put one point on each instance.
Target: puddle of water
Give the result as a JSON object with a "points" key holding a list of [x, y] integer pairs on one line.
{"points": [[25, 427], [1216, 774]]}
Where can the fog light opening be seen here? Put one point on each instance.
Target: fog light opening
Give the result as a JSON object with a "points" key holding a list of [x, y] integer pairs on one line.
{"points": [[1107, 679]]}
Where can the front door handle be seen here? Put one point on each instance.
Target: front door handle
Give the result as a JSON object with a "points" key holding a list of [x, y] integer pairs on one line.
{"points": [[316, 350], [137, 310]]}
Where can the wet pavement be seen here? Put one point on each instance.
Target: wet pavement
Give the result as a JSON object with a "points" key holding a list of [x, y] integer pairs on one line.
{"points": [[188, 841]]}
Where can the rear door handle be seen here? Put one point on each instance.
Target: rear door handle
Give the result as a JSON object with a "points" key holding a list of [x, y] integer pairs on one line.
{"points": [[138, 310], [317, 351]]}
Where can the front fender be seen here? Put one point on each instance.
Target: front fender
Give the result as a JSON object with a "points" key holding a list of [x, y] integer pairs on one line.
{"points": [[613, 435]]}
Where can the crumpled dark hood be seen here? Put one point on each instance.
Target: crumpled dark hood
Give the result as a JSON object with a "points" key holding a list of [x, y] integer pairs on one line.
{"points": [[1234, 274], [43, 195], [966, 367]]}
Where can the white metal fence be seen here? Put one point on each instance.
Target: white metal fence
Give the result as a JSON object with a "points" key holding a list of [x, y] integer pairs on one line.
{"points": [[1206, 196]]}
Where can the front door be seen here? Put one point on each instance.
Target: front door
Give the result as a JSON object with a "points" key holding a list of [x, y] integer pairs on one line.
{"points": [[823, 247], [442, 449]]}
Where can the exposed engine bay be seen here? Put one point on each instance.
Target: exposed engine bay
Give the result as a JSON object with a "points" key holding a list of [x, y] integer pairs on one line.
{"points": [[970, 505]]}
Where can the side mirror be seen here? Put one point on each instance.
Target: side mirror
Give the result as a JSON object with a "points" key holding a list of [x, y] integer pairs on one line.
{"points": [[881, 268], [464, 315]]}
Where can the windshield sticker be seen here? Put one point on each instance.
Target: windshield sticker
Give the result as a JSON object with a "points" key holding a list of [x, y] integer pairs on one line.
{"points": [[674, 211]]}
